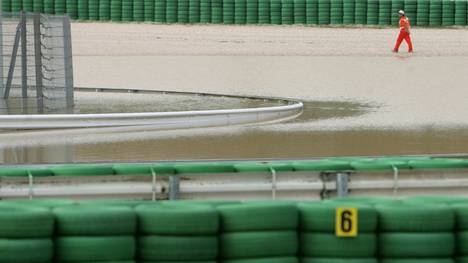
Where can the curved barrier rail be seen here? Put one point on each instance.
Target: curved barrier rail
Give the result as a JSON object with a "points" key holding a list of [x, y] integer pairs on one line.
{"points": [[311, 12], [304, 179], [155, 120]]}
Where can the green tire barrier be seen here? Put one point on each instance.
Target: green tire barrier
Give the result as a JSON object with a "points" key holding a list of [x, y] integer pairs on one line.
{"points": [[159, 15], [149, 7], [59, 7], [416, 245], [422, 16], [25, 222], [252, 12], [217, 11], [26, 250], [299, 13], [6, 5], [329, 245], [240, 12], [320, 217], [94, 221], [339, 260], [397, 5], [461, 13], [83, 12], [461, 216], [324, 7], [265, 260], [104, 10], [93, 9], [348, 12], [411, 7], [138, 11], [312, 12], [172, 220], [194, 11], [72, 8], [228, 11], [462, 243], [94, 248], [415, 218], [27, 5], [205, 11], [336, 12], [172, 11], [127, 10], [275, 12], [360, 14], [16, 6], [287, 12], [258, 244], [448, 12], [116, 10], [372, 12], [38, 6], [435, 13], [183, 11], [261, 216], [178, 248]]}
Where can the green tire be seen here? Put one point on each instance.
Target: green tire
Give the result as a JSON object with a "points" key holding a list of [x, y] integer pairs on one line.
{"points": [[415, 218], [462, 243], [261, 216], [329, 245], [258, 244], [172, 220], [461, 215], [26, 250], [461, 260], [25, 222], [95, 220], [109, 248], [178, 248], [414, 245], [320, 217]]}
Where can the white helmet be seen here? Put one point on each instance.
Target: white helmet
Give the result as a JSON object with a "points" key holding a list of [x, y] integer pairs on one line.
{"points": [[401, 12]]}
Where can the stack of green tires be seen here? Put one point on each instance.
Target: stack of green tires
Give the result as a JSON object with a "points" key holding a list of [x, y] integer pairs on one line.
{"points": [[59, 7], [372, 12], [240, 12], [422, 16], [26, 234], [461, 218], [49, 7], [182, 11], [138, 11], [16, 6], [104, 10], [116, 10], [448, 12], [171, 11], [72, 8], [385, 12], [411, 7], [194, 11], [148, 9], [258, 232], [312, 12], [264, 11], [336, 12], [28, 5], [324, 8], [435, 13], [461, 12], [397, 5], [89, 233], [217, 11], [319, 243], [300, 12], [252, 12], [416, 233], [275, 12], [38, 6], [348, 12], [127, 10], [156, 11], [93, 9], [6, 6], [287, 12], [83, 13], [228, 11], [360, 15], [205, 11], [177, 233]]}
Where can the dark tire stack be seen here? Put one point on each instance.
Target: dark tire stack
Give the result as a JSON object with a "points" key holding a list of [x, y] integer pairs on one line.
{"points": [[28, 5], [461, 216], [95, 234], [258, 232], [435, 13], [448, 12], [360, 15], [275, 12], [461, 12], [372, 12], [205, 11], [252, 12], [348, 12], [319, 244], [83, 12], [6, 6], [240, 12], [300, 12], [287, 12], [38, 6], [194, 11], [264, 11], [104, 10], [411, 7], [182, 11], [423, 232], [72, 8], [116, 10], [26, 234], [397, 5], [49, 7], [138, 11], [385, 12], [228, 11], [216, 11], [166, 234], [127, 10], [336, 12], [422, 17], [324, 8]]}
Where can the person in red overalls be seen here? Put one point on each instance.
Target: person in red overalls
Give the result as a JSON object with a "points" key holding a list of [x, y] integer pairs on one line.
{"points": [[404, 33]]}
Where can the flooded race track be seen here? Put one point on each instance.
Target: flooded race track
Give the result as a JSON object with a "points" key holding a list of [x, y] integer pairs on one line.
{"points": [[354, 105]]}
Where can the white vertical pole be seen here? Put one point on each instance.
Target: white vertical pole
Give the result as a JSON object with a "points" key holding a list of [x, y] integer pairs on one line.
{"points": [[2, 85]]}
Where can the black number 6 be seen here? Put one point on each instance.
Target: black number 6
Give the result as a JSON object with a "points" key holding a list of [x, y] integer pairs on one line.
{"points": [[346, 221]]}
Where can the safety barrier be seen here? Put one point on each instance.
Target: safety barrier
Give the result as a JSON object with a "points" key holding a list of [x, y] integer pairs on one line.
{"points": [[311, 12], [345, 230]]}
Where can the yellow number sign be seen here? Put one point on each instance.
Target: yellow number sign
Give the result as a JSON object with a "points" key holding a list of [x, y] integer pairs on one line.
{"points": [[346, 222]]}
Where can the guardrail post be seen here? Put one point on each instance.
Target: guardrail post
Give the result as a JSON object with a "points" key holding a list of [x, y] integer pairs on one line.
{"points": [[273, 183], [174, 187], [342, 184]]}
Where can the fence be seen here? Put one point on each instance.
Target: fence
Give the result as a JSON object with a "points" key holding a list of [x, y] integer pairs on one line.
{"points": [[312, 12], [36, 63]]}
